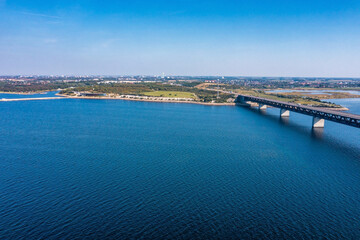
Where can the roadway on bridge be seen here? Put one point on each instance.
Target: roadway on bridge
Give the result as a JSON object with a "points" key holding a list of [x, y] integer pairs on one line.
{"points": [[335, 116]]}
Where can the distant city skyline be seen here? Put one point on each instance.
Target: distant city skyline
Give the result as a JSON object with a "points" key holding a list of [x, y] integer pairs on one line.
{"points": [[224, 38]]}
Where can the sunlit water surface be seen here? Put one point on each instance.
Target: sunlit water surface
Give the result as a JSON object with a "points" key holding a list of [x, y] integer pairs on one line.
{"points": [[112, 169]]}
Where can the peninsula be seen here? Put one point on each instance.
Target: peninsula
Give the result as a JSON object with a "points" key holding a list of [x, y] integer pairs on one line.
{"points": [[199, 90]]}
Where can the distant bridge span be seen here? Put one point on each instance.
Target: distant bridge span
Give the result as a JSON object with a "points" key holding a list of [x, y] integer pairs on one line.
{"points": [[319, 115]]}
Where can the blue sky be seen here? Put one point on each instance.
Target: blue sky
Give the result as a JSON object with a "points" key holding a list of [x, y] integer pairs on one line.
{"points": [[243, 38]]}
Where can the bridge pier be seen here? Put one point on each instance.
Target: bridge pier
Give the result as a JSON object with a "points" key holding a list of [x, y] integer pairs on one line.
{"points": [[318, 122], [240, 101], [284, 113], [262, 106]]}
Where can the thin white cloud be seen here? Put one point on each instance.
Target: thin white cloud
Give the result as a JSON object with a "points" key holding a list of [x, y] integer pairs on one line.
{"points": [[39, 15]]}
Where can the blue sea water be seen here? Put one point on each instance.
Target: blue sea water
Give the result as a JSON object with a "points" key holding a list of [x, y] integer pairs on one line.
{"points": [[112, 169], [353, 104], [35, 95]]}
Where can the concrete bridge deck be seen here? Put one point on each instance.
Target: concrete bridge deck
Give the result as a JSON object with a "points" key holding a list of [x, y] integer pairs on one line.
{"points": [[319, 114]]}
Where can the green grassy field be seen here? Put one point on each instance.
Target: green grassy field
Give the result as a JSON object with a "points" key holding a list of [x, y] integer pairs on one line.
{"points": [[170, 94]]}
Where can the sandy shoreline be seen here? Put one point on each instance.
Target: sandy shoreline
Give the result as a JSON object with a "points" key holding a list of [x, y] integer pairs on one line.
{"points": [[167, 101], [148, 100]]}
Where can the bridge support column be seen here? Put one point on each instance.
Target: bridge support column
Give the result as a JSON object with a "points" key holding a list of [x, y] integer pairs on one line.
{"points": [[284, 113], [318, 122], [262, 106], [240, 101]]}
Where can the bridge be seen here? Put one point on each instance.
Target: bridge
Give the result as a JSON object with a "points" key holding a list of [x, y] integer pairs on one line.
{"points": [[319, 114]]}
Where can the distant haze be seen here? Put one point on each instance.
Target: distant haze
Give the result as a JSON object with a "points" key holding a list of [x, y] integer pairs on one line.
{"points": [[244, 38]]}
